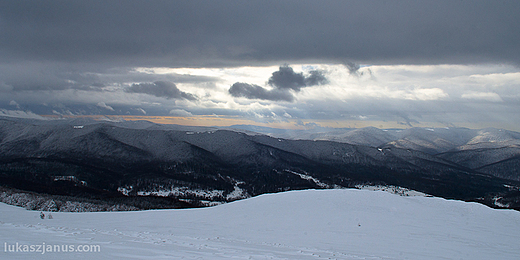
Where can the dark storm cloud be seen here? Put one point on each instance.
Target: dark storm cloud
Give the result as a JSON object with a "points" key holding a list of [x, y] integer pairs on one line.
{"points": [[286, 78], [252, 91], [160, 89], [282, 81], [316, 77], [231, 33]]}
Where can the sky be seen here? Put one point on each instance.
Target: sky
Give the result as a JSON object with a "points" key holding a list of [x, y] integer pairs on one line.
{"points": [[286, 64]]}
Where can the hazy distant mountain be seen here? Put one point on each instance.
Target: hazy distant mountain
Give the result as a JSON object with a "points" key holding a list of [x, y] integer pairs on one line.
{"points": [[491, 151], [370, 136], [429, 140], [432, 140], [204, 165]]}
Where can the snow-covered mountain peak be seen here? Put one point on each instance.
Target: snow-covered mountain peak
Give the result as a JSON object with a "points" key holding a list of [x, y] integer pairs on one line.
{"points": [[310, 224]]}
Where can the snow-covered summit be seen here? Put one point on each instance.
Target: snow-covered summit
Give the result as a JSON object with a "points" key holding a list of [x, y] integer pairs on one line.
{"points": [[311, 224]]}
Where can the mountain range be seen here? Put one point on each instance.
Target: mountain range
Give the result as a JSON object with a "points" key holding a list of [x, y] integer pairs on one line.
{"points": [[199, 166]]}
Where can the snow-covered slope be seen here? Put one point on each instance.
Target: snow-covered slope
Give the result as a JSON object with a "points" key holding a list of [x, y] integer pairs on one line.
{"points": [[370, 136], [431, 140], [311, 224]]}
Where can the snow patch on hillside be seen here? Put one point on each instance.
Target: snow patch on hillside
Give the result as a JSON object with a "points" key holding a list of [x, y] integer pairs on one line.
{"points": [[125, 190], [306, 176], [44, 202], [392, 189], [237, 193], [497, 202], [183, 192]]}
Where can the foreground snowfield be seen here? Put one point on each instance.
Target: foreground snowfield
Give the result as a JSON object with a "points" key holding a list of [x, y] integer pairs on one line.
{"points": [[311, 224]]}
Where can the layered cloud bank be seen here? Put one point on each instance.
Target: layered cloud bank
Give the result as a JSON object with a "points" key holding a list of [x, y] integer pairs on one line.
{"points": [[338, 63]]}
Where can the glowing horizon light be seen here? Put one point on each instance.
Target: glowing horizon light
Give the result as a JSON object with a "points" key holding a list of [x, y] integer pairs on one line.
{"points": [[290, 124]]}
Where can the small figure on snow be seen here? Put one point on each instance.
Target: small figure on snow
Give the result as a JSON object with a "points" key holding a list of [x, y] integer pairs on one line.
{"points": [[49, 216], [42, 216]]}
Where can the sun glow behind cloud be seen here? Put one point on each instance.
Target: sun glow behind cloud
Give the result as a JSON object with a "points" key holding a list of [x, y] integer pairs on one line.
{"points": [[388, 96]]}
